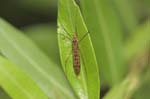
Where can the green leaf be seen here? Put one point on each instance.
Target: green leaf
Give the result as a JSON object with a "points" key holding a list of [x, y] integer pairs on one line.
{"points": [[70, 22], [105, 30], [45, 36], [138, 41], [25, 54], [17, 84]]}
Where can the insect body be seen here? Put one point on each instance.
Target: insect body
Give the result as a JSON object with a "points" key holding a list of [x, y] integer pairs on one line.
{"points": [[75, 50], [76, 54]]}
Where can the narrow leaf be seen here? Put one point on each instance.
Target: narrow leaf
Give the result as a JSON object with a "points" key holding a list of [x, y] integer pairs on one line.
{"points": [[17, 84], [105, 30], [25, 54], [86, 82]]}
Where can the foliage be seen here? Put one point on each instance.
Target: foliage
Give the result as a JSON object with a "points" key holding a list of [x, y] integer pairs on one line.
{"points": [[36, 60]]}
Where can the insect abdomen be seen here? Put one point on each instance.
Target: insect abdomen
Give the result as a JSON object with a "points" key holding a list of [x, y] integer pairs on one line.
{"points": [[76, 55]]}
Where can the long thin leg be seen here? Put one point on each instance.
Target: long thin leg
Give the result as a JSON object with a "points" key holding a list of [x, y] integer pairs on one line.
{"points": [[66, 61], [83, 36], [75, 22], [65, 36], [83, 63], [76, 31], [66, 31]]}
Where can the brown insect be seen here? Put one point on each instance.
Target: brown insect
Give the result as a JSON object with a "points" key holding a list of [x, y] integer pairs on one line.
{"points": [[76, 54], [75, 51]]}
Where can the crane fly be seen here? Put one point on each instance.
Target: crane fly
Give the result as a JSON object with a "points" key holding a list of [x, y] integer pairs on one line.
{"points": [[76, 54], [75, 50]]}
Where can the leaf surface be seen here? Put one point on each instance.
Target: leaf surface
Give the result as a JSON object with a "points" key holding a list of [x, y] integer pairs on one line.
{"points": [[17, 84], [106, 34], [71, 23], [26, 55]]}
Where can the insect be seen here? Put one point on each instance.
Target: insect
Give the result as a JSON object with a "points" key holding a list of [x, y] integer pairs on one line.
{"points": [[76, 54], [75, 51]]}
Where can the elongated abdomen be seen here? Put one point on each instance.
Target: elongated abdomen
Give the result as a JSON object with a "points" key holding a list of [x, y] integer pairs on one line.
{"points": [[76, 55]]}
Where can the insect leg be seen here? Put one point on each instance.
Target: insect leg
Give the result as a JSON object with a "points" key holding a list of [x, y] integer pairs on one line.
{"points": [[82, 60], [65, 36], [83, 36], [66, 31], [67, 60]]}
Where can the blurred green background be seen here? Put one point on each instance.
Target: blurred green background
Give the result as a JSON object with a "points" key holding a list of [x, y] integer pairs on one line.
{"points": [[26, 12], [38, 19]]}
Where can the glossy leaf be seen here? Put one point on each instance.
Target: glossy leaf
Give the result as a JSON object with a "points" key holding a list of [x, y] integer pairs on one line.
{"points": [[25, 54], [70, 22]]}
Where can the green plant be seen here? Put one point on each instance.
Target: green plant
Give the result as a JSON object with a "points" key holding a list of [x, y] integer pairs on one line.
{"points": [[71, 23], [29, 58]]}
